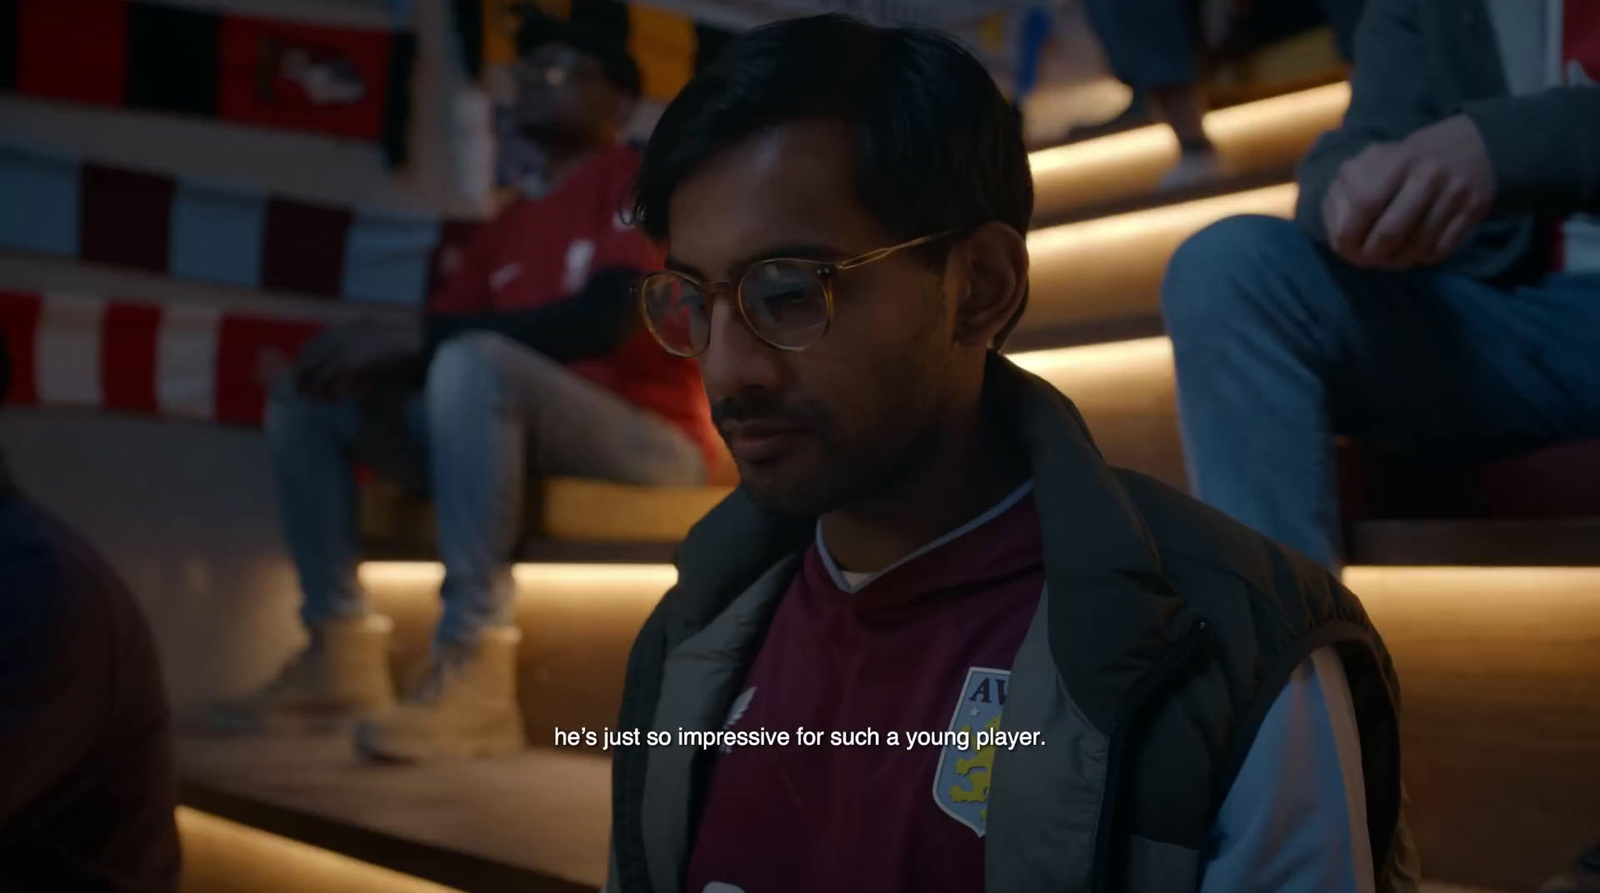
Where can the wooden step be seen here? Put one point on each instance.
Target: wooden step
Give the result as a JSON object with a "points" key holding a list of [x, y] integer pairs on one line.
{"points": [[1497, 666], [1499, 678], [1127, 395], [1259, 139], [569, 519], [1560, 481], [538, 821], [225, 856], [252, 824], [1563, 542], [1106, 273]]}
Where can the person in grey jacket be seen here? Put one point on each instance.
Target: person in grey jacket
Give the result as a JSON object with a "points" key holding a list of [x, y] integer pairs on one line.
{"points": [[1100, 683], [1439, 289]]}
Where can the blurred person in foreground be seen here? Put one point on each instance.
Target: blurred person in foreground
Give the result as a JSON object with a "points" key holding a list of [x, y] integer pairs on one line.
{"points": [[531, 360], [1438, 292], [86, 781], [926, 539]]}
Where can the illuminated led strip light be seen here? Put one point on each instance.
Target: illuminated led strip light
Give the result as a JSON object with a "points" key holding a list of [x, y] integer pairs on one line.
{"points": [[221, 854], [1258, 136]]}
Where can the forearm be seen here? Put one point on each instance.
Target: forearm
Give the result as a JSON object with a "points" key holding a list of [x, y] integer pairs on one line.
{"points": [[594, 322], [561, 333], [1388, 102], [1545, 149]]}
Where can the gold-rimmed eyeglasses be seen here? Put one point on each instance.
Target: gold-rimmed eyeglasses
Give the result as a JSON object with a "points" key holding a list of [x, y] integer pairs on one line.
{"points": [[786, 302]]}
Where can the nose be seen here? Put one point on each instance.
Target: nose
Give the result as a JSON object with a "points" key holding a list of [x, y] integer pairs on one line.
{"points": [[735, 361]]}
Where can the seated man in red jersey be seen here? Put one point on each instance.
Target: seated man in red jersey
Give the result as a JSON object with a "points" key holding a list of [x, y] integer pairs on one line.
{"points": [[532, 358], [926, 540]]}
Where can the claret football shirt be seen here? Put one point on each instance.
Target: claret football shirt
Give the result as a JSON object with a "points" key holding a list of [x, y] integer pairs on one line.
{"points": [[925, 646]]}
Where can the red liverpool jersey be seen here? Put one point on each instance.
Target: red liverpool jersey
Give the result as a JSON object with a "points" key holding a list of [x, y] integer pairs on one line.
{"points": [[926, 647], [542, 250]]}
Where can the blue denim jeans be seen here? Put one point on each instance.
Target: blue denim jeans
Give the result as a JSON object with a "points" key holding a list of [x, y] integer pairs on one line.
{"points": [[1280, 346], [490, 410]]}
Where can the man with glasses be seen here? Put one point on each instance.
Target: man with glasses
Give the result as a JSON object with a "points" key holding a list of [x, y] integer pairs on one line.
{"points": [[531, 358], [936, 642]]}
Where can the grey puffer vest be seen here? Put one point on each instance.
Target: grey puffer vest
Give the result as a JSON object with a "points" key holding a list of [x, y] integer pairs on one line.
{"points": [[1165, 632]]}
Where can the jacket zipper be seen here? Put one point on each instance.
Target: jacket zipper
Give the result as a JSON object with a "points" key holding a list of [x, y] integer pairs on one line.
{"points": [[1171, 663]]}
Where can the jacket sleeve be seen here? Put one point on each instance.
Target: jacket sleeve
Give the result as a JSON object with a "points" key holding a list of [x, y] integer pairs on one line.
{"points": [[1389, 99], [1296, 813], [1545, 149], [595, 321]]}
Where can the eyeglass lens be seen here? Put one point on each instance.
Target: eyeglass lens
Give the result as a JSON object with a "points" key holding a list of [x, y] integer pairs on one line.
{"points": [[785, 303]]}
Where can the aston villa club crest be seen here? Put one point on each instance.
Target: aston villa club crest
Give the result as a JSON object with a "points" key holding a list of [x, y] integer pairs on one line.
{"points": [[961, 786]]}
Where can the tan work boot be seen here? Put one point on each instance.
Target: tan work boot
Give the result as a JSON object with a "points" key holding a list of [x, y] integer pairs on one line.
{"points": [[465, 706], [342, 675]]}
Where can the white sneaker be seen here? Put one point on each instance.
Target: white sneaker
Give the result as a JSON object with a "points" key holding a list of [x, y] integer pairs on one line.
{"points": [[1195, 168], [465, 706], [342, 675]]}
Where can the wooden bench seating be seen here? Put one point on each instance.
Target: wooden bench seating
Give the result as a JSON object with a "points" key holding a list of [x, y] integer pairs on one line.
{"points": [[1540, 508], [567, 519], [1537, 508], [537, 821]]}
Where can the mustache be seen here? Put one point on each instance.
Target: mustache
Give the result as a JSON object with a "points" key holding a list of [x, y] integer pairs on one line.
{"points": [[748, 408]]}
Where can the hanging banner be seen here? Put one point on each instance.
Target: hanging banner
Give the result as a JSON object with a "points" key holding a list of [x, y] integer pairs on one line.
{"points": [[344, 82], [218, 232], [179, 360]]}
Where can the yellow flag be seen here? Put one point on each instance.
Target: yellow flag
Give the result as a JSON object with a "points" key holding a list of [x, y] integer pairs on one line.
{"points": [[662, 44]]}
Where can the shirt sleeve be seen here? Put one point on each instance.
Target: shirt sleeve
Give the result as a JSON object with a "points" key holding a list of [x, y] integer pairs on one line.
{"points": [[1388, 102], [594, 322], [1295, 820]]}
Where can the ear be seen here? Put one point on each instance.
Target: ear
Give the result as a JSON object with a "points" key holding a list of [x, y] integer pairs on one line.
{"points": [[993, 263]]}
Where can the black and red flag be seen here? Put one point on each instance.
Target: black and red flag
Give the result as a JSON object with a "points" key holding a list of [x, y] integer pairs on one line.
{"points": [[340, 81]]}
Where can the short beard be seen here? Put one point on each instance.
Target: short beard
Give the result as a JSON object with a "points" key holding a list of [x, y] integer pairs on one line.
{"points": [[850, 484]]}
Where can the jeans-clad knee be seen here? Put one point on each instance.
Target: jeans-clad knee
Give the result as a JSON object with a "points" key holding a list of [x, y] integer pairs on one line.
{"points": [[1222, 275], [469, 370]]}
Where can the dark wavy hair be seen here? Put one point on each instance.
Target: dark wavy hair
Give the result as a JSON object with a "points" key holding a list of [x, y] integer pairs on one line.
{"points": [[937, 146]]}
